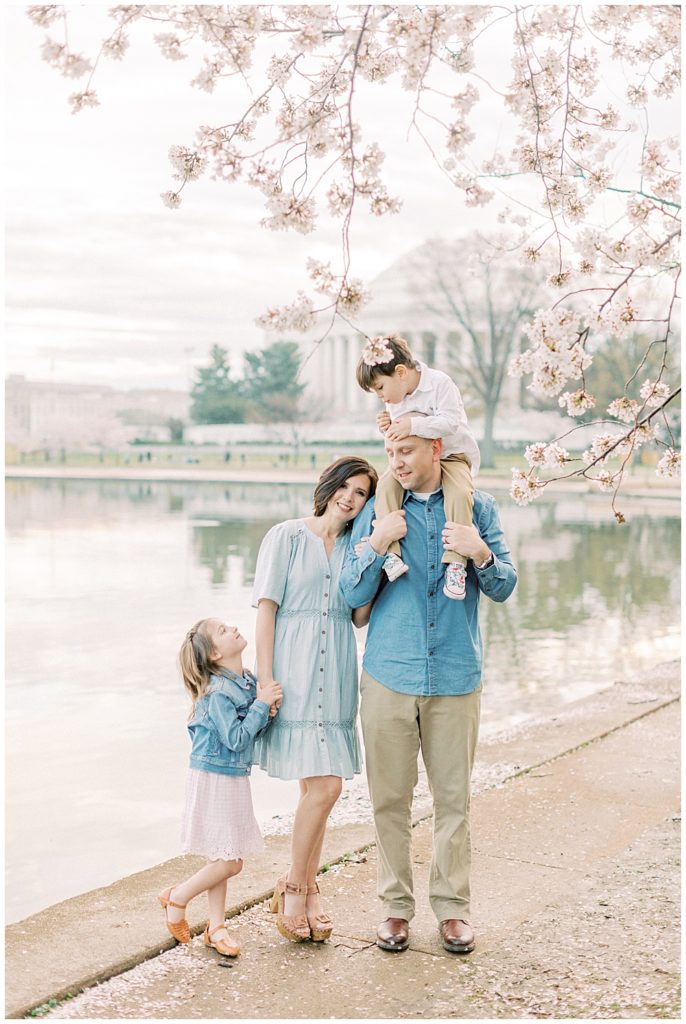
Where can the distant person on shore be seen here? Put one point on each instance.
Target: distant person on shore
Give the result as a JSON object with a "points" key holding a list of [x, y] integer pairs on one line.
{"points": [[305, 640], [421, 682], [422, 402], [229, 710]]}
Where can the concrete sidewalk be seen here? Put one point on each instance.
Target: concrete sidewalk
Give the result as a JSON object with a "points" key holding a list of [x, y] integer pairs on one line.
{"points": [[575, 892]]}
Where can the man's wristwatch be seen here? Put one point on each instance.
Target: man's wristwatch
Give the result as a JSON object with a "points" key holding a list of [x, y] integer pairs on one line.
{"points": [[487, 563]]}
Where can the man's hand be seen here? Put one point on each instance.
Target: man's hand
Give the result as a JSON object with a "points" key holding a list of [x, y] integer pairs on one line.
{"points": [[399, 429], [385, 531], [466, 540], [383, 421]]}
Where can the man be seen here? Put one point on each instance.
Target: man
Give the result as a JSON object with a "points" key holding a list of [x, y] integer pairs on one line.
{"points": [[421, 683]]}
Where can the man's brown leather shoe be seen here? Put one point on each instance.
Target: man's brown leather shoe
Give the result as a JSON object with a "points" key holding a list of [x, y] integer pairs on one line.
{"points": [[393, 934], [457, 936]]}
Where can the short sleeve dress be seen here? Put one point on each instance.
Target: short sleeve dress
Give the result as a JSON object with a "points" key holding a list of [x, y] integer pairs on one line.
{"points": [[315, 657]]}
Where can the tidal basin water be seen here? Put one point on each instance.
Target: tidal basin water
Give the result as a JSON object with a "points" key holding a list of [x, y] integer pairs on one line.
{"points": [[105, 577]]}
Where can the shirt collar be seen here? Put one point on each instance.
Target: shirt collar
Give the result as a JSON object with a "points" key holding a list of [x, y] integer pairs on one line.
{"points": [[424, 382], [226, 673], [431, 500]]}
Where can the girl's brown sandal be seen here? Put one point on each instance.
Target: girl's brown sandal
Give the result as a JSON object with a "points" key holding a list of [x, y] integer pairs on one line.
{"points": [[292, 926], [179, 929], [221, 945]]}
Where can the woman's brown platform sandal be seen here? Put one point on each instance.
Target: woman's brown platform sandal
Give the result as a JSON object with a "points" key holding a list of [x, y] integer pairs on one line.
{"points": [[291, 926], [221, 945], [321, 926], [179, 929]]}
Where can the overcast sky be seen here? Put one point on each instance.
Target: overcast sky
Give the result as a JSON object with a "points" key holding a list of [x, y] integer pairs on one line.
{"points": [[104, 283]]}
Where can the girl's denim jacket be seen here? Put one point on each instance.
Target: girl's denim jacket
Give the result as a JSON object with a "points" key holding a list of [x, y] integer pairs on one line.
{"points": [[225, 722]]}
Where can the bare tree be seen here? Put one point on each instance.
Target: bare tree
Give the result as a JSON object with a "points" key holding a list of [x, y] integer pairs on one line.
{"points": [[485, 301]]}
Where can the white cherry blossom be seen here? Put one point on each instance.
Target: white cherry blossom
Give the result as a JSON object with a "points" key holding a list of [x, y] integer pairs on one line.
{"points": [[670, 464]]}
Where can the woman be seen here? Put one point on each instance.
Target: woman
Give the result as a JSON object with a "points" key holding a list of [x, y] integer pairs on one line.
{"points": [[305, 641]]}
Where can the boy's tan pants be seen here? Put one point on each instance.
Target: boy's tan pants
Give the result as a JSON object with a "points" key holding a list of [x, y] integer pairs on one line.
{"points": [[458, 498], [395, 726]]}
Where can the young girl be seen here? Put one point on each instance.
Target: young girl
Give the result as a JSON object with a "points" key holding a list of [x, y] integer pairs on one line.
{"points": [[229, 710], [423, 402]]}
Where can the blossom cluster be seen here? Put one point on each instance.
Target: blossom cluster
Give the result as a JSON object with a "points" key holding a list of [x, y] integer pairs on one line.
{"points": [[550, 454], [670, 464], [557, 353], [525, 487]]}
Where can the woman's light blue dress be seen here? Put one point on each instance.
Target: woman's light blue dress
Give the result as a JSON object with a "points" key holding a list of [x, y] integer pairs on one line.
{"points": [[315, 656]]}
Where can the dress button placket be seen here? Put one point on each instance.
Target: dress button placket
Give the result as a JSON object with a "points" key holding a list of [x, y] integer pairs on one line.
{"points": [[325, 608]]}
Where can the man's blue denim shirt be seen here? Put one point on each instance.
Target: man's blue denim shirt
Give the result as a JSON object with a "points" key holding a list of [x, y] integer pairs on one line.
{"points": [[420, 641]]}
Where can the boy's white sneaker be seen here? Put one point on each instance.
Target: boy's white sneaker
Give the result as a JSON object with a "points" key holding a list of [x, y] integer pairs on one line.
{"points": [[455, 583], [393, 566]]}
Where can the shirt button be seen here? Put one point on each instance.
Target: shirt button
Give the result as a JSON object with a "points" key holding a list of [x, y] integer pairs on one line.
{"points": [[431, 625], [323, 613], [321, 669], [328, 577], [323, 632], [326, 595], [323, 652], [432, 567], [320, 690], [431, 654], [322, 739]]}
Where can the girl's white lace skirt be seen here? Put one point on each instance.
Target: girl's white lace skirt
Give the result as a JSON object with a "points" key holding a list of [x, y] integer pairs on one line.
{"points": [[218, 820]]}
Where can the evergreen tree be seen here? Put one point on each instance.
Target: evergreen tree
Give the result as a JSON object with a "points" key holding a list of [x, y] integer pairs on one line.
{"points": [[270, 383], [215, 398]]}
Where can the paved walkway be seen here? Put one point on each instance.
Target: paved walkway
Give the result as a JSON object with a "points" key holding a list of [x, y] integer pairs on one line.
{"points": [[575, 885], [640, 483]]}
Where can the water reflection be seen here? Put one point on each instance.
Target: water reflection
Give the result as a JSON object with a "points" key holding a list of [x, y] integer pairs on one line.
{"points": [[215, 544], [104, 578]]}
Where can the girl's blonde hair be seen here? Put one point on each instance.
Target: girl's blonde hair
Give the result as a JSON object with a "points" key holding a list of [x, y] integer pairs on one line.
{"points": [[195, 659]]}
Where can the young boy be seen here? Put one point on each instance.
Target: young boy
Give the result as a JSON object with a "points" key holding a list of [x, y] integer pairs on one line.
{"points": [[423, 402]]}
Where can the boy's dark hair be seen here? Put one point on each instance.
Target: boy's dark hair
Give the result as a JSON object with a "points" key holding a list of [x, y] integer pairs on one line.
{"points": [[366, 374], [335, 475]]}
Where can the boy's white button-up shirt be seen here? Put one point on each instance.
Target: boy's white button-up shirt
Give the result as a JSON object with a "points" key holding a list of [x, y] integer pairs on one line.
{"points": [[439, 399]]}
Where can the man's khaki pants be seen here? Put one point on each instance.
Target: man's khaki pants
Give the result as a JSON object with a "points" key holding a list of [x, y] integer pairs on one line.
{"points": [[395, 726]]}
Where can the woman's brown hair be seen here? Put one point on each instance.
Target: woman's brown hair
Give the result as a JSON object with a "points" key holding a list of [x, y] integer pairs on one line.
{"points": [[335, 475]]}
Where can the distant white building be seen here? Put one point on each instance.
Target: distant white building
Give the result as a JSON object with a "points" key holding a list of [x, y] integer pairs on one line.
{"points": [[42, 414]]}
